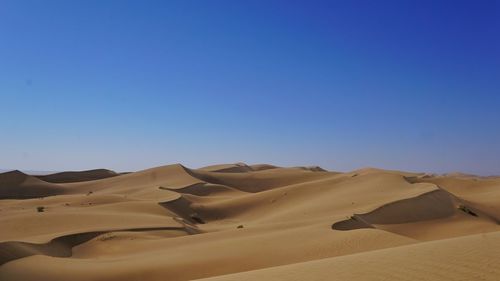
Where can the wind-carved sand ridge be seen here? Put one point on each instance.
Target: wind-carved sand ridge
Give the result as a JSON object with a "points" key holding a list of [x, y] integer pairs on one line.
{"points": [[249, 222]]}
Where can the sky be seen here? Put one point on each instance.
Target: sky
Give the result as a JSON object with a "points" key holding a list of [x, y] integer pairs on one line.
{"points": [[128, 85]]}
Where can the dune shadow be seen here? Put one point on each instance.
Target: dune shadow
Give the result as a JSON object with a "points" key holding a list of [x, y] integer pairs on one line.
{"points": [[62, 246], [431, 205]]}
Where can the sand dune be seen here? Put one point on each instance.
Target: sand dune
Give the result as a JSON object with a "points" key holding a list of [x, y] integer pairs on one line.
{"points": [[76, 176], [465, 258], [249, 222], [17, 185]]}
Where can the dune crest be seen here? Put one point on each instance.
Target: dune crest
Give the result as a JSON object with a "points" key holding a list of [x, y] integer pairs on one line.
{"points": [[18, 185], [77, 176]]}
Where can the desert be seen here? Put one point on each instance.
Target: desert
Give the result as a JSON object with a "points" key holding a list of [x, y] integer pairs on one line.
{"points": [[249, 222], [262, 140]]}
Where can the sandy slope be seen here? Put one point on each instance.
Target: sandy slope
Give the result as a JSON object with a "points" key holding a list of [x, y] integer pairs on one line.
{"points": [[465, 258], [248, 222]]}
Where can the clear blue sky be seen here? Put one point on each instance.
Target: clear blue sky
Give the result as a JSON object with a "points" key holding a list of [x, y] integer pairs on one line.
{"points": [[126, 85]]}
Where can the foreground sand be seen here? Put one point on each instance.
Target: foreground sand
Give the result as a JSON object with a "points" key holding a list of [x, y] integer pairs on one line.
{"points": [[240, 222]]}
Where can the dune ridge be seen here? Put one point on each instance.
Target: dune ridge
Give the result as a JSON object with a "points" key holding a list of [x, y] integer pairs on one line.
{"points": [[18, 185], [77, 176]]}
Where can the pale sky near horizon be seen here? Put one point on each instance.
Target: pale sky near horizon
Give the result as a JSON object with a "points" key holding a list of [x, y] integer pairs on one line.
{"points": [[127, 85]]}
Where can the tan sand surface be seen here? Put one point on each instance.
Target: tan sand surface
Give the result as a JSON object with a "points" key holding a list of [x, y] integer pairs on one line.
{"points": [[249, 222]]}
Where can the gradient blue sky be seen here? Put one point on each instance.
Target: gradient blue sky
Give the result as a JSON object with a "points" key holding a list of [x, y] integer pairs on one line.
{"points": [[126, 85]]}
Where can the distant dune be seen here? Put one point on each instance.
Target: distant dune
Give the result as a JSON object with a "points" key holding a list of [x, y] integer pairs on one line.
{"points": [[18, 185], [249, 222], [73, 176]]}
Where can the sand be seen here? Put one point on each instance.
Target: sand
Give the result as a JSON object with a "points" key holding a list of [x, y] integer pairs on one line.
{"points": [[249, 222]]}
